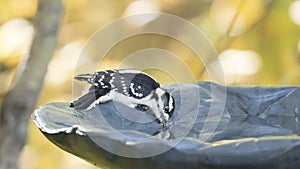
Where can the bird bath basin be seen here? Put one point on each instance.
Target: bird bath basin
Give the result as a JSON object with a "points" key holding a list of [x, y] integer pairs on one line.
{"points": [[251, 127]]}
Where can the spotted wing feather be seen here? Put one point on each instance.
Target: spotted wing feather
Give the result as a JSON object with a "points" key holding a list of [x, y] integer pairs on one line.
{"points": [[139, 85], [102, 79]]}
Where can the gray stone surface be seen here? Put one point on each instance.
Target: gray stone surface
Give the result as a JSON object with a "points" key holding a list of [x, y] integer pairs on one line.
{"points": [[254, 127]]}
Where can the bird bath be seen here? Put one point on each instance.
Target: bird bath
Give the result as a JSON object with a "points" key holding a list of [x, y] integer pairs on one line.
{"points": [[254, 127]]}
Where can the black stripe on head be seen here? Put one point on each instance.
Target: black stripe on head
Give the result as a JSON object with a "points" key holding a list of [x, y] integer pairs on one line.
{"points": [[167, 100]]}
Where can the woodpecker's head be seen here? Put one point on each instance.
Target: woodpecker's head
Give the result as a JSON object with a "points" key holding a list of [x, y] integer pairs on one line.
{"points": [[161, 103]]}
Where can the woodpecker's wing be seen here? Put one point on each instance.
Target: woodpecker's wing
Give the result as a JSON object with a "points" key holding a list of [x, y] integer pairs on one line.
{"points": [[90, 98], [101, 86], [139, 84], [131, 83], [100, 79]]}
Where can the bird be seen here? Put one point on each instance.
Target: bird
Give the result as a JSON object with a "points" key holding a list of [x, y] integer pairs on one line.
{"points": [[133, 88]]}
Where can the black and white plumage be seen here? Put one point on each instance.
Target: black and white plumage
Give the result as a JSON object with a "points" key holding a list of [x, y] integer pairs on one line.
{"points": [[130, 87]]}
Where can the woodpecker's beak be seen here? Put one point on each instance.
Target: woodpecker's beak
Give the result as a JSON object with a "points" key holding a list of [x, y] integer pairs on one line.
{"points": [[164, 123]]}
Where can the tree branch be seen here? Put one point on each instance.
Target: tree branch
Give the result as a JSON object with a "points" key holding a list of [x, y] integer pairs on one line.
{"points": [[20, 101], [226, 40]]}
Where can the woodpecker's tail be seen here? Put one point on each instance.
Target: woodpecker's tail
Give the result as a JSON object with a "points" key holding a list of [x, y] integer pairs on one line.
{"points": [[89, 100], [83, 102]]}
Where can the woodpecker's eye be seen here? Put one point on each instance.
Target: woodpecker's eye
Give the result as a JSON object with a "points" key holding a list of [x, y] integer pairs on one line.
{"points": [[166, 109]]}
